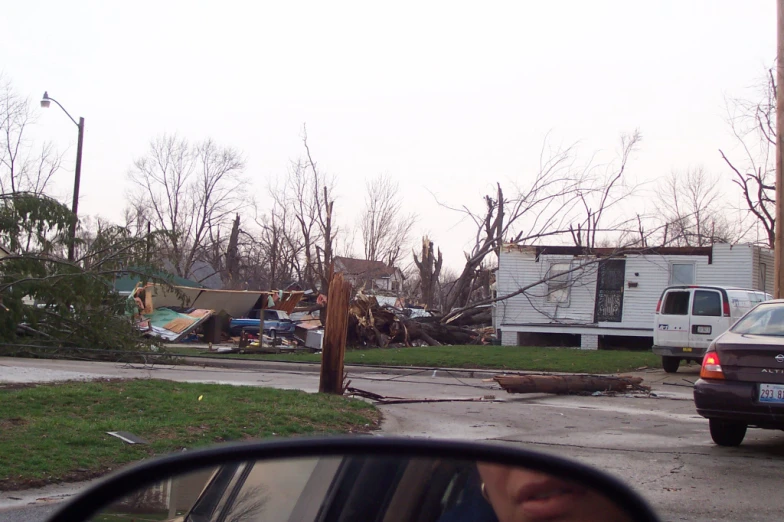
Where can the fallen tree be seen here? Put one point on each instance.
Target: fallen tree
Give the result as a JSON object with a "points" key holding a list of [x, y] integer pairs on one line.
{"points": [[373, 325]]}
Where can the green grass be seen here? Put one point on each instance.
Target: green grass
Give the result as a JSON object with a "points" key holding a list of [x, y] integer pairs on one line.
{"points": [[486, 357], [51, 433]]}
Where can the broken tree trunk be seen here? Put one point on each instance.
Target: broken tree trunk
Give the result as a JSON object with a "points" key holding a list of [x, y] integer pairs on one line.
{"points": [[429, 270], [334, 348], [564, 384], [373, 325]]}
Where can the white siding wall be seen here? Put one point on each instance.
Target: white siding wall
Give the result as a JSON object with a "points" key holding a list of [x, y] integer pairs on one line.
{"points": [[731, 266], [518, 269], [651, 273]]}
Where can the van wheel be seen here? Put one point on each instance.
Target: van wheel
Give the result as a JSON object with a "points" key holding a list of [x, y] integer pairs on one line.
{"points": [[726, 433], [670, 364]]}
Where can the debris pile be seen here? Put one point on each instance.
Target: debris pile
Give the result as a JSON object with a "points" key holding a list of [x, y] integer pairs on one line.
{"points": [[371, 324]]}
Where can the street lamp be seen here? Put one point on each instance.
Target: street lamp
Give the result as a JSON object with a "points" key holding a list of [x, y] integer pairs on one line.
{"points": [[45, 101]]}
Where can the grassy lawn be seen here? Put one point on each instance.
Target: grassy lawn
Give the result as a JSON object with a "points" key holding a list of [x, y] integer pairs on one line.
{"points": [[57, 432], [489, 357]]}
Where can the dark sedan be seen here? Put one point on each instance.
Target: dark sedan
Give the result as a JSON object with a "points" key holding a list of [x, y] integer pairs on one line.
{"points": [[741, 381]]}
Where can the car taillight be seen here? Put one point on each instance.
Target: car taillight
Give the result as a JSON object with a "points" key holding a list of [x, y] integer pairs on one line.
{"points": [[726, 308], [711, 367], [658, 306]]}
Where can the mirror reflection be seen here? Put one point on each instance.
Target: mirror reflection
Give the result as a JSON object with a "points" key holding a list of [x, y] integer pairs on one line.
{"points": [[364, 488]]}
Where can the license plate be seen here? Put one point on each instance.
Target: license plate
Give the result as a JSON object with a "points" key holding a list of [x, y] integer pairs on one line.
{"points": [[686, 349], [771, 393], [706, 330]]}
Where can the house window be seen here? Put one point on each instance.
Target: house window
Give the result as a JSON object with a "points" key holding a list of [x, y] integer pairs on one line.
{"points": [[395, 286], [558, 287], [763, 279], [682, 274]]}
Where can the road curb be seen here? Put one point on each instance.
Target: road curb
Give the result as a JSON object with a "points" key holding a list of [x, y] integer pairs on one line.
{"points": [[246, 364]]}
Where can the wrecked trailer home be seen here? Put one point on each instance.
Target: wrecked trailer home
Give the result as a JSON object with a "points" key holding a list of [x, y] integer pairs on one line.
{"points": [[170, 312]]}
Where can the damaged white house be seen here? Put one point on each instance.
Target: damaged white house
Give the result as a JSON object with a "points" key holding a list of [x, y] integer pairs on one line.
{"points": [[605, 297]]}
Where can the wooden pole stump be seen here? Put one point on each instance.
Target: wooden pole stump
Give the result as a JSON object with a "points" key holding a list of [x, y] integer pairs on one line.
{"points": [[334, 347]]}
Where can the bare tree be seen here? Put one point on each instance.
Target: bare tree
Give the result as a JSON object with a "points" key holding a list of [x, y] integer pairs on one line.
{"points": [[25, 167], [189, 192], [429, 270], [534, 211], [385, 229], [691, 206], [446, 282], [274, 251], [601, 189], [324, 203], [753, 124], [308, 194], [546, 208]]}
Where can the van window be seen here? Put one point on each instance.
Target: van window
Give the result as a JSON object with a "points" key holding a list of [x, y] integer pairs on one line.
{"points": [[706, 303], [756, 297], [676, 303]]}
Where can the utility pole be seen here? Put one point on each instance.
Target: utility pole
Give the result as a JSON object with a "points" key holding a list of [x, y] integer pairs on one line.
{"points": [[77, 182], [778, 247], [45, 102]]}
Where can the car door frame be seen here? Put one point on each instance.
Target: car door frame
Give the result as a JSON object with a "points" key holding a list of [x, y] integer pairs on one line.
{"points": [[672, 330], [716, 323]]}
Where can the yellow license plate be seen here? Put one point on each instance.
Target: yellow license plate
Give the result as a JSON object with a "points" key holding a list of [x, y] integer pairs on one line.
{"points": [[687, 349]]}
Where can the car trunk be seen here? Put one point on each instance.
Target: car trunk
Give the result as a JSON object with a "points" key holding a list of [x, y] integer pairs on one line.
{"points": [[751, 358]]}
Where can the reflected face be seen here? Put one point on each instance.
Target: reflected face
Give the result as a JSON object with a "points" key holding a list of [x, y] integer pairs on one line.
{"points": [[519, 495], [364, 487]]}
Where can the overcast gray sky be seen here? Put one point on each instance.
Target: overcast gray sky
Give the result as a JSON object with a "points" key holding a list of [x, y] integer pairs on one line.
{"points": [[446, 97]]}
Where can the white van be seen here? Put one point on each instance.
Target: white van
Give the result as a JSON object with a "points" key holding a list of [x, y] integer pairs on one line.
{"points": [[689, 317]]}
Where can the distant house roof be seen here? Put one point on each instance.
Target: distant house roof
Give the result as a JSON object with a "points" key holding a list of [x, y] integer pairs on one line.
{"points": [[363, 268], [4, 252]]}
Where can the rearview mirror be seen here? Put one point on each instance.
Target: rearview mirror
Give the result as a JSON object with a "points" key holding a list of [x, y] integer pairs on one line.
{"points": [[358, 479]]}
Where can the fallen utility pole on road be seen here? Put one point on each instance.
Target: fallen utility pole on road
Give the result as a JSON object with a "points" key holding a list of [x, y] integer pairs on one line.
{"points": [[565, 384]]}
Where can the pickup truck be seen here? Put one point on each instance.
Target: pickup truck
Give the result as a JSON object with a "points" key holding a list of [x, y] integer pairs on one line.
{"points": [[276, 323]]}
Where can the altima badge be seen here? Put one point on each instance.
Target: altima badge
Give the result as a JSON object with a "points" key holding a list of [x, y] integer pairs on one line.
{"points": [[780, 358]]}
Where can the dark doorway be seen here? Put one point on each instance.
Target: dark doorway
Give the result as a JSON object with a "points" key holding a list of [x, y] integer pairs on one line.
{"points": [[609, 291]]}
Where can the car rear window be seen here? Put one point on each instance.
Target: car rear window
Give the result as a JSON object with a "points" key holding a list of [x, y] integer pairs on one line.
{"points": [[706, 303], [676, 303], [765, 319]]}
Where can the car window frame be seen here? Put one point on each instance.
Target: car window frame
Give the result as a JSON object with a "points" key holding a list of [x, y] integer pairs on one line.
{"points": [[677, 291], [719, 309]]}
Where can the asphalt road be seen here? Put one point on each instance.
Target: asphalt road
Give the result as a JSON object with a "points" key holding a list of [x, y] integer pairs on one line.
{"points": [[659, 445]]}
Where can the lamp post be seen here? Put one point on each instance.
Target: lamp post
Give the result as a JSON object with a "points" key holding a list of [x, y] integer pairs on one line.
{"points": [[77, 175]]}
